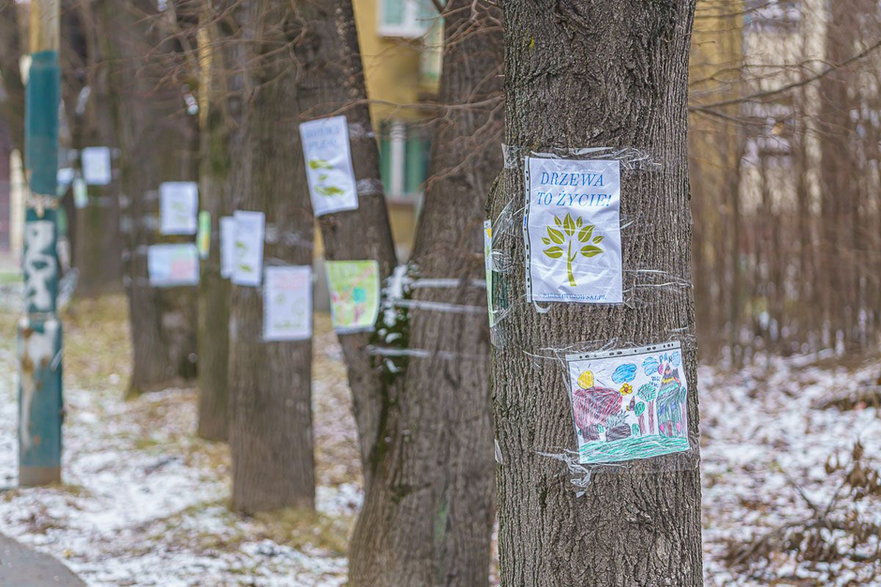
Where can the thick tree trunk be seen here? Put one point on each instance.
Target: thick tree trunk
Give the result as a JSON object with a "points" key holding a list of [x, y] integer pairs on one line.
{"points": [[587, 74], [428, 511], [156, 140], [333, 80], [270, 382], [219, 117]]}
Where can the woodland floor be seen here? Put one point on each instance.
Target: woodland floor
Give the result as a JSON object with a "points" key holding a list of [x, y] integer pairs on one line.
{"points": [[145, 502]]}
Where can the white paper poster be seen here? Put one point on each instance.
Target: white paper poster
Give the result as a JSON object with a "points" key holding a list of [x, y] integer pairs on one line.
{"points": [[329, 169], [64, 176], [629, 403], [178, 206], [287, 303], [248, 247], [96, 165], [173, 264], [573, 230], [227, 245]]}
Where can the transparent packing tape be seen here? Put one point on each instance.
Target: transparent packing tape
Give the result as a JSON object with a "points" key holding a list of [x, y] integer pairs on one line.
{"points": [[389, 341], [630, 158]]}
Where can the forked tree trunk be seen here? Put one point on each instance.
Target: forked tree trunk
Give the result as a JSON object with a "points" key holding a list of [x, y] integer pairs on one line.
{"points": [[270, 382], [219, 118], [428, 510], [585, 74], [156, 140], [332, 83]]}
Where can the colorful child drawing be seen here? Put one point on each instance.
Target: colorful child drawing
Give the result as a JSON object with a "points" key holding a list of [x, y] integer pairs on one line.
{"points": [[624, 412], [354, 294]]}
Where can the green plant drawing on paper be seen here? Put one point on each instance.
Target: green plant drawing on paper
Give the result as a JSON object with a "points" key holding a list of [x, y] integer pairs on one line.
{"points": [[322, 188], [329, 190], [319, 164], [567, 231]]}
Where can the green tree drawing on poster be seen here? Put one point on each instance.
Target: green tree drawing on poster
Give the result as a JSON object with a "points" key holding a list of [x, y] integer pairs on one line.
{"points": [[566, 232]]}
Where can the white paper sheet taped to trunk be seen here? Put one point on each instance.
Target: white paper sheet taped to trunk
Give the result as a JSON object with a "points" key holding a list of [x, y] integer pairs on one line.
{"points": [[287, 303], [248, 248], [97, 169], [572, 229], [329, 169], [227, 245], [178, 206], [170, 265]]}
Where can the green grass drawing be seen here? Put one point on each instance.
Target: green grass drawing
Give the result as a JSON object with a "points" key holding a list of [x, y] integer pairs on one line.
{"points": [[633, 447], [567, 231]]}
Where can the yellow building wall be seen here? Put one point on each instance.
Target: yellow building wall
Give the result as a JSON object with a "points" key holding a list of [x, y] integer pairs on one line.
{"points": [[391, 67]]}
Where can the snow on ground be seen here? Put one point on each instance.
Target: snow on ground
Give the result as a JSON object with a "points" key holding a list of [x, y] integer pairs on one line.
{"points": [[144, 501], [764, 446]]}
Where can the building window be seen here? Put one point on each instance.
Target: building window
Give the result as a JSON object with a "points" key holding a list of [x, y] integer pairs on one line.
{"points": [[408, 19], [780, 16], [404, 154]]}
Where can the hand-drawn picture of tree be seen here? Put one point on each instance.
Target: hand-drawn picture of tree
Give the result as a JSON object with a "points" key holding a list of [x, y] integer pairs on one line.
{"points": [[241, 255], [566, 232], [648, 392], [323, 188], [668, 391]]}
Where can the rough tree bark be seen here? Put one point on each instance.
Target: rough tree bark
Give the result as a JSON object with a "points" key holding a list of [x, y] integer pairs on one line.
{"points": [[583, 74], [12, 93], [156, 140], [330, 82], [270, 382], [219, 118], [94, 229], [428, 509]]}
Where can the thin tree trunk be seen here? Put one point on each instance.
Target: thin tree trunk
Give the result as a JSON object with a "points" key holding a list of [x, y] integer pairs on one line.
{"points": [[156, 140], [96, 239], [270, 382], [584, 74], [428, 509], [219, 117], [11, 48]]}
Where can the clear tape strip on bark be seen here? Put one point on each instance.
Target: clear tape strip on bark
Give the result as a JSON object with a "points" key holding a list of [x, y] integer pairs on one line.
{"points": [[630, 158], [435, 306], [274, 234], [581, 474], [419, 353], [444, 282], [369, 187], [359, 130]]}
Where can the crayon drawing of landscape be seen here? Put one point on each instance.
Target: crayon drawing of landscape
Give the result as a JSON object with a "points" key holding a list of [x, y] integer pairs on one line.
{"points": [[354, 294], [629, 404]]}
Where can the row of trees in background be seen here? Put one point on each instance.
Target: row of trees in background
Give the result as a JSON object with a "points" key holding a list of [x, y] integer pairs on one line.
{"points": [[256, 70], [785, 168], [783, 153]]}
